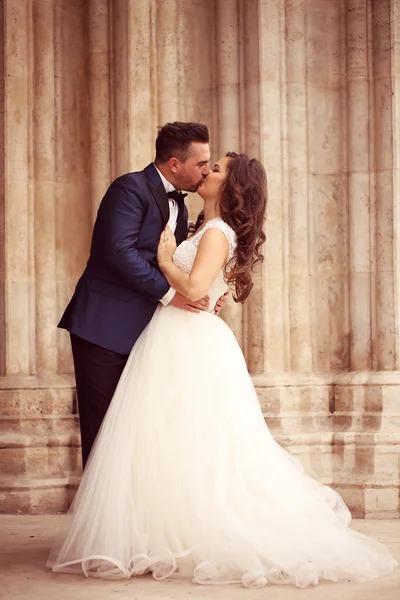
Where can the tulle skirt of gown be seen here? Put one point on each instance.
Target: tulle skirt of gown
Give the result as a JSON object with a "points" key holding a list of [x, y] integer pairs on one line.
{"points": [[185, 475]]}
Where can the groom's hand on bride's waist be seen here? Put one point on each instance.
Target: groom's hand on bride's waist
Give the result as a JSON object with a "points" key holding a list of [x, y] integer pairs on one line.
{"points": [[220, 304], [181, 301]]}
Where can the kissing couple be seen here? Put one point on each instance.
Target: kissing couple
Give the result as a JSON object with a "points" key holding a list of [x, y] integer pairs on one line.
{"points": [[182, 475]]}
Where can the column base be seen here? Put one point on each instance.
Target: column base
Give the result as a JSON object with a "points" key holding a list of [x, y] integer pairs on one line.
{"points": [[366, 443], [40, 460], [345, 429]]}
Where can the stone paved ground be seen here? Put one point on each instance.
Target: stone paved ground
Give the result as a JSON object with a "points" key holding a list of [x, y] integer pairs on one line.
{"points": [[25, 542]]}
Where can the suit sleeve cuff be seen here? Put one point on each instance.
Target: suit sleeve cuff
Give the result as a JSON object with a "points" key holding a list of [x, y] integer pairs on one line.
{"points": [[168, 296]]}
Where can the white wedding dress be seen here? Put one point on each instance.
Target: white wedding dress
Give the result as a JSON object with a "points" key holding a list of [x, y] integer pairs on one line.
{"points": [[185, 476]]}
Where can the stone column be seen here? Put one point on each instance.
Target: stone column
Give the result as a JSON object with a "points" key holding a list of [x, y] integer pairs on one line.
{"points": [[228, 50], [360, 126], [17, 189], [44, 187], [251, 122], [367, 415], [273, 136], [134, 84], [387, 238], [99, 81], [299, 205], [167, 61], [2, 203], [45, 179], [300, 98]]}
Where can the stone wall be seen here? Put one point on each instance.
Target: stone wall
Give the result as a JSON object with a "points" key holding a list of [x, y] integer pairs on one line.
{"points": [[312, 88]]}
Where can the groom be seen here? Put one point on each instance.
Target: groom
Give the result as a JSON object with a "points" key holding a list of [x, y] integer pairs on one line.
{"points": [[121, 286]]}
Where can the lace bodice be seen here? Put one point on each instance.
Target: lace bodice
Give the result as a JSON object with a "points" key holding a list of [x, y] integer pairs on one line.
{"points": [[185, 255]]}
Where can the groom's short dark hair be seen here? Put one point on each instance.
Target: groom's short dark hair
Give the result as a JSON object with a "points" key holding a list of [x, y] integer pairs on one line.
{"points": [[174, 139]]}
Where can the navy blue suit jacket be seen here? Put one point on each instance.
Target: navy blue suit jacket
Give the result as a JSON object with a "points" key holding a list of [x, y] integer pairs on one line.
{"points": [[121, 286]]}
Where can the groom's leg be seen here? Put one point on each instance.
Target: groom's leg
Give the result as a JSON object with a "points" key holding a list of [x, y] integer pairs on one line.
{"points": [[97, 372]]}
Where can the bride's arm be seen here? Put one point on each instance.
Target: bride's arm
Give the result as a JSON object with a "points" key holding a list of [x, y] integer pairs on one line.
{"points": [[212, 255]]}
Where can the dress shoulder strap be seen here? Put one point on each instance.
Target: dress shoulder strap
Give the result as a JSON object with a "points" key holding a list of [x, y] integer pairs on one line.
{"points": [[230, 235]]}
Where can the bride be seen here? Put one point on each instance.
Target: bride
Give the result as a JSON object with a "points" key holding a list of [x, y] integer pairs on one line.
{"points": [[185, 476]]}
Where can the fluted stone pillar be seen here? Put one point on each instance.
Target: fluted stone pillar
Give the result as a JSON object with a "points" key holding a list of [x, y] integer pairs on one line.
{"points": [[367, 408], [38, 444], [17, 189], [330, 381], [228, 54], [43, 123], [99, 98], [251, 123]]}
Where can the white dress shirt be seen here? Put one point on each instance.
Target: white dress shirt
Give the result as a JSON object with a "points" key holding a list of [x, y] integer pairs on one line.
{"points": [[173, 218]]}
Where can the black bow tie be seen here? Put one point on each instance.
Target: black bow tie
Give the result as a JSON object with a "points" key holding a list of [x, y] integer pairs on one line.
{"points": [[177, 196]]}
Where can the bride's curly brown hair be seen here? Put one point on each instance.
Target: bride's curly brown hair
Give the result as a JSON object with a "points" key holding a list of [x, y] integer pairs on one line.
{"points": [[243, 205]]}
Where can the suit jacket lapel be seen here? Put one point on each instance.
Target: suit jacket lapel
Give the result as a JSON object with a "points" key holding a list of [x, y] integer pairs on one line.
{"points": [[161, 198], [158, 191]]}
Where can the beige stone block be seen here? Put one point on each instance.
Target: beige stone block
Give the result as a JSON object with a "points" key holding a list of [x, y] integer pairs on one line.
{"points": [[384, 224], [64, 354], [325, 116], [329, 199], [99, 23], [100, 107], [300, 342], [56, 461], [37, 402], [39, 425], [275, 318], [295, 41], [343, 398], [253, 327], [360, 226], [291, 398], [354, 498], [298, 218], [274, 247], [17, 231], [359, 137], [73, 243], [316, 398], [37, 497], [323, 44], [383, 128], [318, 464], [17, 316], [339, 323], [16, 126], [381, 501], [360, 318], [292, 423], [297, 141], [390, 399], [382, 32], [320, 335], [357, 40], [270, 41], [386, 321], [386, 464], [271, 132]]}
